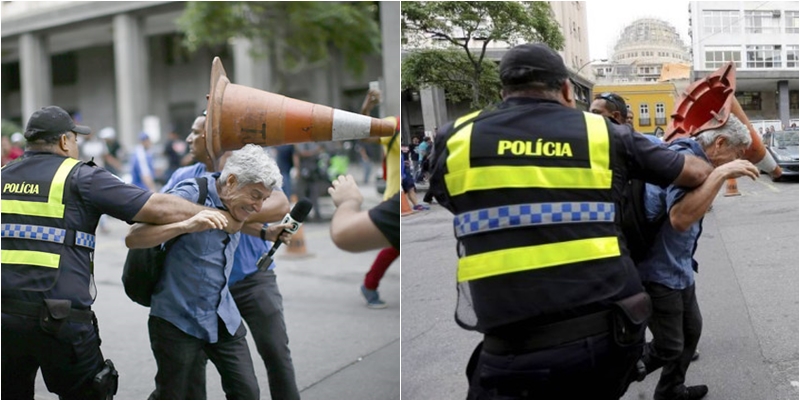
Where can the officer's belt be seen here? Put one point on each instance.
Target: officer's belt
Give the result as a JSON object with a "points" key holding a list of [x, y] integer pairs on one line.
{"points": [[50, 234], [16, 307], [532, 214], [550, 335]]}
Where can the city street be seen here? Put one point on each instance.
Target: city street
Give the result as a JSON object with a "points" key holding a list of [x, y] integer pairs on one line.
{"points": [[341, 349], [747, 289]]}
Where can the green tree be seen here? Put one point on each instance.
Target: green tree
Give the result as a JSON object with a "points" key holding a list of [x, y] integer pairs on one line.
{"points": [[295, 35], [461, 69]]}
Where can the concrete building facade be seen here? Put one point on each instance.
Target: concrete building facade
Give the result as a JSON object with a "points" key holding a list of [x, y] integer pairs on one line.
{"points": [[119, 64], [762, 39]]}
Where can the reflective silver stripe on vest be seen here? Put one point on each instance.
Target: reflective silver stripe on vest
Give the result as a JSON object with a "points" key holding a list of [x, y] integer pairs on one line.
{"points": [[44, 233], [532, 214]]}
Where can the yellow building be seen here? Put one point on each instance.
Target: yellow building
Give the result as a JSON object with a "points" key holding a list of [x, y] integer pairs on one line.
{"points": [[652, 104]]}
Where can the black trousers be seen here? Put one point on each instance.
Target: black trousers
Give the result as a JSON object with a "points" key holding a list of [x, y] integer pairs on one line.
{"points": [[69, 359], [260, 302], [176, 353], [591, 368], [676, 325]]}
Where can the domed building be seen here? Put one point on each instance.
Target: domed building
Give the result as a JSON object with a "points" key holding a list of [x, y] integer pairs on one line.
{"points": [[641, 51]]}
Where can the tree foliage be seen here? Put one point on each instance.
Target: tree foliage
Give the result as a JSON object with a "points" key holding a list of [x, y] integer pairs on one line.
{"points": [[295, 35], [458, 24], [445, 69]]}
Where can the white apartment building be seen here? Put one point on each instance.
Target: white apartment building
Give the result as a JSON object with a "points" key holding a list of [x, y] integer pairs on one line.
{"points": [[762, 39]]}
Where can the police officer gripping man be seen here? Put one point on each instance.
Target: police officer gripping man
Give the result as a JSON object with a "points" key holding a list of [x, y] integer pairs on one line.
{"points": [[51, 205], [543, 270]]}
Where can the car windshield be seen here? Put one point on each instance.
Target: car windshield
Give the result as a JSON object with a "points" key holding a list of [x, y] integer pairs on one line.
{"points": [[783, 139]]}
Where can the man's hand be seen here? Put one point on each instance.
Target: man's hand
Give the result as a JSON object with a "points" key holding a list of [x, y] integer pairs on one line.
{"points": [[206, 220], [372, 99], [275, 230], [344, 189], [739, 168]]}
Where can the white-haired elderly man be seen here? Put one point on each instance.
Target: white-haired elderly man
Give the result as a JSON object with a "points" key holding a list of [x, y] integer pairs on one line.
{"points": [[191, 307], [668, 271]]}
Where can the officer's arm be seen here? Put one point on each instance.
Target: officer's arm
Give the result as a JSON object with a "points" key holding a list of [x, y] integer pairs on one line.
{"points": [[694, 173], [166, 208], [143, 235]]}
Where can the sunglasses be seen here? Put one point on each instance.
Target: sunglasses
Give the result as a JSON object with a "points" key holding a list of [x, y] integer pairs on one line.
{"points": [[614, 99]]}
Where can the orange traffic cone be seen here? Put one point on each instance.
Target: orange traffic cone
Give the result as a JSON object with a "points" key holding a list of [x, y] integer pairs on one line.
{"points": [[296, 249], [405, 208], [237, 115], [730, 188]]}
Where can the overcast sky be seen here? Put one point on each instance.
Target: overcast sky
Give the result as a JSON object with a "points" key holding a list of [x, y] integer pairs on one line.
{"points": [[606, 19]]}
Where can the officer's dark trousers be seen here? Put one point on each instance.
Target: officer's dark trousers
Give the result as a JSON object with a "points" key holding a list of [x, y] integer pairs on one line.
{"points": [[676, 325], [176, 353], [69, 360], [591, 368]]}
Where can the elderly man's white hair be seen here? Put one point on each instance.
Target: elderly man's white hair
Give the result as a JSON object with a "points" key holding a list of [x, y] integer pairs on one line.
{"points": [[733, 130], [252, 165]]}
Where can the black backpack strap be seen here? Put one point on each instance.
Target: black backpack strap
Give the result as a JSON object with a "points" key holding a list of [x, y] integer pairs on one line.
{"points": [[203, 183]]}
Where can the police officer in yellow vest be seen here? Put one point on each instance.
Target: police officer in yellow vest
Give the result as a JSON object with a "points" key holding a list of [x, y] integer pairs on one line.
{"points": [[543, 271], [51, 203]]}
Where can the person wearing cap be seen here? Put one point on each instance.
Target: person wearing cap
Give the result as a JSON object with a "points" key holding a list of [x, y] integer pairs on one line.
{"points": [[255, 292], [51, 204], [543, 272], [111, 155], [142, 172]]}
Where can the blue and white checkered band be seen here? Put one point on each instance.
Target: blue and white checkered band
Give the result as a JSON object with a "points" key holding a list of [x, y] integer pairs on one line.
{"points": [[532, 214], [85, 240], [43, 233]]}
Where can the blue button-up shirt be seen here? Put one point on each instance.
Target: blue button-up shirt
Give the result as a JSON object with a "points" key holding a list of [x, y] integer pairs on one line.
{"points": [[671, 260], [193, 290], [250, 248]]}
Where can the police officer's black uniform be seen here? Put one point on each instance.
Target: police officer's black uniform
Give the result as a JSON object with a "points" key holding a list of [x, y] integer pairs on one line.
{"points": [[542, 270], [51, 204]]}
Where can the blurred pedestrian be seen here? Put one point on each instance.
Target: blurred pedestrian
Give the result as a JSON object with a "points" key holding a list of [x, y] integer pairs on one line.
{"points": [[391, 175], [307, 158], [113, 163], [174, 151], [142, 171], [285, 159], [94, 149], [10, 151]]}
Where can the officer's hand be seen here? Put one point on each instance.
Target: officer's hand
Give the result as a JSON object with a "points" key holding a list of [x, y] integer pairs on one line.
{"points": [[345, 189], [275, 230], [206, 220], [233, 225], [739, 168]]}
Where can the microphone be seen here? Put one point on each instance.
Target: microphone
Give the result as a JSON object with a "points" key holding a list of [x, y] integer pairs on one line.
{"points": [[295, 217]]}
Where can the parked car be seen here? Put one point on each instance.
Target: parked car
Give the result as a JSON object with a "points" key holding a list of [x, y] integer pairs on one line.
{"points": [[782, 145]]}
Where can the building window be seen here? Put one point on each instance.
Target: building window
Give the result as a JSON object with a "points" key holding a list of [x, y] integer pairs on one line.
{"points": [[718, 55], [792, 101], [791, 56], [11, 77], [762, 22], [721, 21], [661, 114], [644, 115], [64, 69], [749, 100], [792, 25], [764, 56]]}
